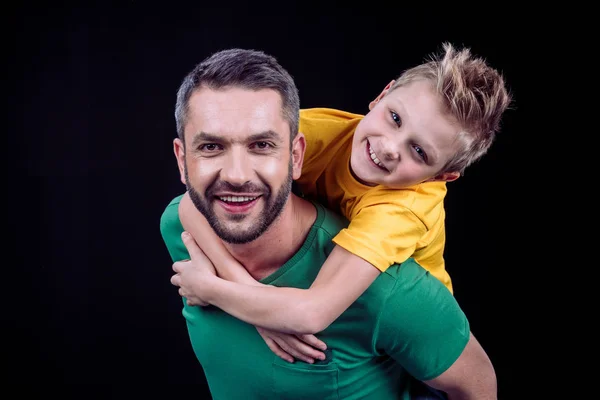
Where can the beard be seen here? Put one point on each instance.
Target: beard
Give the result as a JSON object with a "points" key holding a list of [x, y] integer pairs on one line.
{"points": [[274, 204]]}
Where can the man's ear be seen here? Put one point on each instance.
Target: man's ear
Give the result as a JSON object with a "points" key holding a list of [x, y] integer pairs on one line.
{"points": [[298, 149], [445, 176], [381, 95], [179, 150]]}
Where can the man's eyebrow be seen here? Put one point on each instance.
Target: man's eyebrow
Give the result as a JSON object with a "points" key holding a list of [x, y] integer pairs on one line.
{"points": [[266, 135], [211, 137], [205, 137]]}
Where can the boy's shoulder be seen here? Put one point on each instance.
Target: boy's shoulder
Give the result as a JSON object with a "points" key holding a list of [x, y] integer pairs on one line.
{"points": [[327, 129], [324, 113], [425, 201], [434, 190]]}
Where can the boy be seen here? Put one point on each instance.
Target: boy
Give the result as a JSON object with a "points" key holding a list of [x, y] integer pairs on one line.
{"points": [[386, 172]]}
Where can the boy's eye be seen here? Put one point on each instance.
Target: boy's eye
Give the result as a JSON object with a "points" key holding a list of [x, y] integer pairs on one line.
{"points": [[396, 118], [421, 152]]}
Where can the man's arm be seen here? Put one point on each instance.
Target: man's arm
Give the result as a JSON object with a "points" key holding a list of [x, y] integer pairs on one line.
{"points": [[472, 375], [424, 329]]}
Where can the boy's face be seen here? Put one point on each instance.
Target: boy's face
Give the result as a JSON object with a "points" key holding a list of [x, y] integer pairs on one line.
{"points": [[405, 139]]}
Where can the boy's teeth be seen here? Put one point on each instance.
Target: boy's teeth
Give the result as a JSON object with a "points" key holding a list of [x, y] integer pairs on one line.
{"points": [[236, 199], [374, 158]]}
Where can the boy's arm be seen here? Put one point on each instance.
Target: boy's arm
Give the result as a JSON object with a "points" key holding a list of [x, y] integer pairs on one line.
{"points": [[194, 222], [341, 280]]}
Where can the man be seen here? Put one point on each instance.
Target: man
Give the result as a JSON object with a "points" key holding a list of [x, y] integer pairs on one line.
{"points": [[238, 152]]}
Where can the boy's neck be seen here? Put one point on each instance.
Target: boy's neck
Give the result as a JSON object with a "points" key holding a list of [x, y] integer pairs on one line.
{"points": [[280, 242]]}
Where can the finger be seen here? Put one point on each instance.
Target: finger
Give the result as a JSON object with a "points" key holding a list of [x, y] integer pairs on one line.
{"points": [[176, 280], [178, 266], [313, 341], [304, 349], [191, 245], [278, 350], [291, 345]]}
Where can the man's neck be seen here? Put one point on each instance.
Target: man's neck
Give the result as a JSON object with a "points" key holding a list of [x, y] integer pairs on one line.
{"points": [[280, 242]]}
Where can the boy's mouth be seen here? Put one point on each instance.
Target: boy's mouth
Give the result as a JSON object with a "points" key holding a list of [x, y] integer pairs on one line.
{"points": [[374, 159]]}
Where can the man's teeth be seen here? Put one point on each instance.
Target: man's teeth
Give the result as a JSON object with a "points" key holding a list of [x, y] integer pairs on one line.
{"points": [[236, 199], [374, 158]]}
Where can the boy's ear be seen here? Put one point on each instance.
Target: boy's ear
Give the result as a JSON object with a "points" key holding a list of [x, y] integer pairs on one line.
{"points": [[381, 95], [445, 176]]}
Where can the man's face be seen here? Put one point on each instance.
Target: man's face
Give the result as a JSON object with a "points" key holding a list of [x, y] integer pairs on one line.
{"points": [[237, 164], [405, 139]]}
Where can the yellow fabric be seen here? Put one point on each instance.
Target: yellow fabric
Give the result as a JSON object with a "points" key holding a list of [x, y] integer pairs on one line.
{"points": [[387, 226]]}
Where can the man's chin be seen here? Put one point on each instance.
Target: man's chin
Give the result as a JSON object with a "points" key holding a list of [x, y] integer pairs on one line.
{"points": [[235, 237]]}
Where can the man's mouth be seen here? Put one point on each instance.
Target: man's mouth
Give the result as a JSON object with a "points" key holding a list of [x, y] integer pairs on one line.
{"points": [[374, 158], [237, 204], [237, 200]]}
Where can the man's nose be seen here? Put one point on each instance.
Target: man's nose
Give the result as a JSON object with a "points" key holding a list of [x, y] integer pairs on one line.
{"points": [[236, 169]]}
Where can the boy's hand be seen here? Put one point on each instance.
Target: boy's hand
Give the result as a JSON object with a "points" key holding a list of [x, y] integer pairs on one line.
{"points": [[191, 274], [287, 346]]}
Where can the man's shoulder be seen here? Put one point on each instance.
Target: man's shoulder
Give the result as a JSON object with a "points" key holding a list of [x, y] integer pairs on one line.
{"points": [[414, 281], [170, 225], [329, 222]]}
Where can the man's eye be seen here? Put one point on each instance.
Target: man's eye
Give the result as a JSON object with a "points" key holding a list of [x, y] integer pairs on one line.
{"points": [[262, 145], [396, 118], [209, 147]]}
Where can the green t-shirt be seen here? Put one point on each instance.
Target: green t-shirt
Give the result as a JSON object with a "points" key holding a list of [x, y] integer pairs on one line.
{"points": [[406, 323]]}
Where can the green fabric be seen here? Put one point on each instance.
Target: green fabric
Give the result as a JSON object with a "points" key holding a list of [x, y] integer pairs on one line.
{"points": [[407, 322]]}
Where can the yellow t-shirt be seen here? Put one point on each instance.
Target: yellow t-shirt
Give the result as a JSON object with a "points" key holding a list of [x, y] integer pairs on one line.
{"points": [[387, 226]]}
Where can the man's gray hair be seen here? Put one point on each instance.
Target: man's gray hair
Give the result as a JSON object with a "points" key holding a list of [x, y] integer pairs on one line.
{"points": [[249, 69]]}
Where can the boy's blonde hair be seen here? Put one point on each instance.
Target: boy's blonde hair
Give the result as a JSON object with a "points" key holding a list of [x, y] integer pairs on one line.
{"points": [[472, 92]]}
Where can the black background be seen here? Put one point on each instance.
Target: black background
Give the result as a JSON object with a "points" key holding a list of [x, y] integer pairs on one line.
{"points": [[92, 93]]}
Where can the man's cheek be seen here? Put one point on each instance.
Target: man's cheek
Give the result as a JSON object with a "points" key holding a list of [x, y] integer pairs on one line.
{"points": [[273, 168]]}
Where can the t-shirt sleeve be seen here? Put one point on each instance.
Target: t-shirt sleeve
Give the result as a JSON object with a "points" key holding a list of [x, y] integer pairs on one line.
{"points": [[382, 234], [421, 325], [171, 229], [324, 130]]}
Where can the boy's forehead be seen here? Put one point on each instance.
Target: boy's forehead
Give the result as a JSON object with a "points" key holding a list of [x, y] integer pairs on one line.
{"points": [[414, 91]]}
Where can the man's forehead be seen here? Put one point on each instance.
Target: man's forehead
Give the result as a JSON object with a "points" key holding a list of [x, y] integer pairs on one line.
{"points": [[236, 110]]}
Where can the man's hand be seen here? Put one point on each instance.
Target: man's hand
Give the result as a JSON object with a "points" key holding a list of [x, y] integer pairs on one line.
{"points": [[191, 274], [287, 346]]}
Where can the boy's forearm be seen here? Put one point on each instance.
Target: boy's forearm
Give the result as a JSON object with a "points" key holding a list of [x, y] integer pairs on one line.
{"points": [[227, 267], [277, 308], [342, 279]]}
